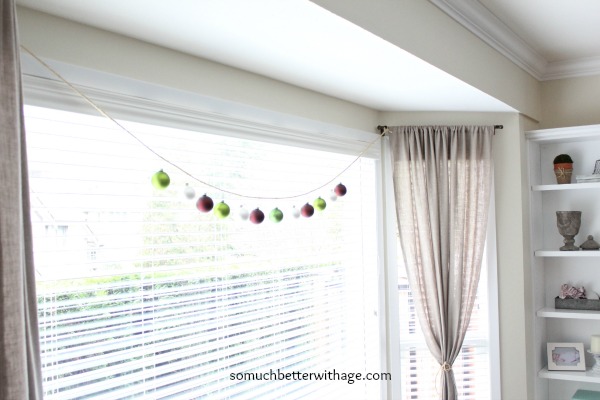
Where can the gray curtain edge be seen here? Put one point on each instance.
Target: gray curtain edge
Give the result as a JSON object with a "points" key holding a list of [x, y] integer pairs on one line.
{"points": [[20, 365]]}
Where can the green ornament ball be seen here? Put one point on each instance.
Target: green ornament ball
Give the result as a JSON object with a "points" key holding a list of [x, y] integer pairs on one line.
{"points": [[222, 210], [276, 215], [319, 204], [161, 180]]}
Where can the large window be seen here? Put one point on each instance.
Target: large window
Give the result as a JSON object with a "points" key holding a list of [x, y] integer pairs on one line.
{"points": [[140, 295]]}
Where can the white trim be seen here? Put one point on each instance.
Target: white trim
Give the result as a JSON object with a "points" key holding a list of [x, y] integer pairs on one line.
{"points": [[572, 68], [388, 244], [486, 26], [564, 135], [144, 102], [494, 317]]}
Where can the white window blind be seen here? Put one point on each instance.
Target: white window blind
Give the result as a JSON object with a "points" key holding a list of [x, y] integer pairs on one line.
{"points": [[420, 372], [142, 296]]}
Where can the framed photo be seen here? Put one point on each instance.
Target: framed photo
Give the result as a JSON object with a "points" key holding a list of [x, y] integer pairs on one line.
{"points": [[597, 167], [566, 357]]}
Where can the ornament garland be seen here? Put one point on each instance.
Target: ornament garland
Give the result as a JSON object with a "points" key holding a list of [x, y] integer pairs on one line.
{"points": [[161, 180]]}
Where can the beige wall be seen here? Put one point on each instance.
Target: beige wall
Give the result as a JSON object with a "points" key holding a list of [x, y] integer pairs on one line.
{"points": [[423, 30], [571, 102], [72, 43]]}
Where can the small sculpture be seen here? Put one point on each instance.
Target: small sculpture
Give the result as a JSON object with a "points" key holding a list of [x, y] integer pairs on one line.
{"points": [[590, 244], [568, 223]]}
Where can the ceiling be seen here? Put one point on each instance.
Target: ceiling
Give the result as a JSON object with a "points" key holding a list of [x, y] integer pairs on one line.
{"points": [[337, 58], [550, 39]]}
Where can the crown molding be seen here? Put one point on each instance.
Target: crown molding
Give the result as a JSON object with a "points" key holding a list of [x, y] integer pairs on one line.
{"points": [[489, 28], [572, 68]]}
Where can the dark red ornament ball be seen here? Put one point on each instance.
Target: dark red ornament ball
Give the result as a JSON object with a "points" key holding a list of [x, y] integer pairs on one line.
{"points": [[257, 216], [340, 190], [204, 203], [307, 210]]}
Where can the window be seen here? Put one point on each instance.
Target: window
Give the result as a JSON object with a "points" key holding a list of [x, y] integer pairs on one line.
{"points": [[143, 296], [420, 372]]}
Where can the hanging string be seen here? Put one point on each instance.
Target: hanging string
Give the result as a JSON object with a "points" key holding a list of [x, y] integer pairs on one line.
{"points": [[190, 175]]}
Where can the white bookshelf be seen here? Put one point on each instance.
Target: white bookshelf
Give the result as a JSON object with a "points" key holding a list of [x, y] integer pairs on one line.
{"points": [[551, 267]]}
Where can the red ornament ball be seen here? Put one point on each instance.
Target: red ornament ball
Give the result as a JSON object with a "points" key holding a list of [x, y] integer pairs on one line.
{"points": [[307, 210], [204, 203], [340, 190], [257, 216]]}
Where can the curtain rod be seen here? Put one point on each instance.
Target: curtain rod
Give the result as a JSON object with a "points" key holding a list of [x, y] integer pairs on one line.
{"points": [[382, 128]]}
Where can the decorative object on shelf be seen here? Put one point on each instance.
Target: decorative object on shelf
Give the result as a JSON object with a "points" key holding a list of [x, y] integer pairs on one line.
{"points": [[577, 304], [587, 178], [597, 168], [566, 357], [595, 351], [568, 223], [571, 292], [595, 344], [595, 177], [596, 367], [563, 168], [574, 298], [589, 244]]}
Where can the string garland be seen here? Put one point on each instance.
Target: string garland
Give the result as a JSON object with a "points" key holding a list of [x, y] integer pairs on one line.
{"points": [[161, 179]]}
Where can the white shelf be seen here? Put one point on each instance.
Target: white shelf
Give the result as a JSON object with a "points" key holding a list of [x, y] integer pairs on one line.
{"points": [[550, 312], [572, 186], [558, 253], [577, 376], [564, 135]]}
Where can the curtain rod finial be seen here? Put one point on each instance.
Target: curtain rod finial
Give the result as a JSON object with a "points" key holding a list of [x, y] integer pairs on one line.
{"points": [[382, 129]]}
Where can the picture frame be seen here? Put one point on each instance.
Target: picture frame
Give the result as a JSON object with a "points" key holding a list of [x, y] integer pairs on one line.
{"points": [[566, 357], [597, 167]]}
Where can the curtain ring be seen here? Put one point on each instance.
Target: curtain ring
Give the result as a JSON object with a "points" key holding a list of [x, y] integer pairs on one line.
{"points": [[446, 367]]}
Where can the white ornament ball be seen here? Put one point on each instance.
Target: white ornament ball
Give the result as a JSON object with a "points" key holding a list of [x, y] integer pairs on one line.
{"points": [[243, 213], [189, 192], [296, 212], [333, 196]]}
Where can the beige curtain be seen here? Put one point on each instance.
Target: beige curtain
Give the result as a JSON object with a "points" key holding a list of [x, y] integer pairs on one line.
{"points": [[442, 182], [20, 372]]}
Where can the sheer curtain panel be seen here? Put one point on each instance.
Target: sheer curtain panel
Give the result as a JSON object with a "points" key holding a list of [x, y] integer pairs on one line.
{"points": [[19, 348], [442, 181]]}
